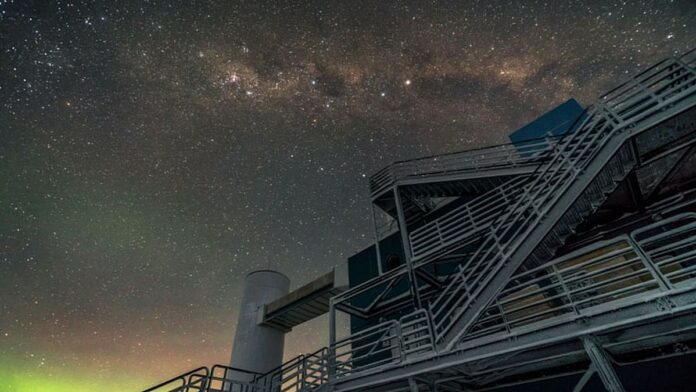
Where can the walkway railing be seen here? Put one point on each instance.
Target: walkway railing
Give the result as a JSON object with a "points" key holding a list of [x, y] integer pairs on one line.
{"points": [[191, 379], [219, 378], [302, 373], [603, 276], [518, 154], [465, 221], [389, 342], [656, 258]]}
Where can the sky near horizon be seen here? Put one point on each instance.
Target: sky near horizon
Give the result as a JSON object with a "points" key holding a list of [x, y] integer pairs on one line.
{"points": [[152, 153]]}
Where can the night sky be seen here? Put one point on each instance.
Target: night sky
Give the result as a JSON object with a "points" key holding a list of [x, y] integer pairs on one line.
{"points": [[153, 153]]}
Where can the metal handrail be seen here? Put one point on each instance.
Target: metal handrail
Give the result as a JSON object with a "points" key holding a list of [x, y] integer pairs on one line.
{"points": [[512, 154], [182, 378], [225, 382], [200, 379], [386, 343], [625, 269], [572, 284], [297, 374], [464, 221]]}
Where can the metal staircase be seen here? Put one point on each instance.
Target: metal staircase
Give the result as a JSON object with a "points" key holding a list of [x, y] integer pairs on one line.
{"points": [[584, 168]]}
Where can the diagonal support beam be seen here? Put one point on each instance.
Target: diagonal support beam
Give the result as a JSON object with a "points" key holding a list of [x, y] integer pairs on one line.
{"points": [[384, 293], [407, 248], [429, 279], [602, 364], [585, 378]]}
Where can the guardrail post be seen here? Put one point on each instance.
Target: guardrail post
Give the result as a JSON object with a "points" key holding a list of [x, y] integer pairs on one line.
{"points": [[565, 288], [400, 341], [302, 374], [379, 254], [431, 328], [331, 354], [502, 316], [663, 282]]}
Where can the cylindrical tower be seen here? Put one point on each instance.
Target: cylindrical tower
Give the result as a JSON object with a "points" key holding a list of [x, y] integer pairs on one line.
{"points": [[258, 348]]}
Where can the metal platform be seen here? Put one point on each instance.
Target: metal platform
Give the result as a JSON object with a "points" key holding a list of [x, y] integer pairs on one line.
{"points": [[306, 302]]}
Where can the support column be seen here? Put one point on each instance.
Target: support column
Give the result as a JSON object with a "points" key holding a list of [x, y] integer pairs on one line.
{"points": [[331, 360], [635, 192], [379, 253], [407, 248], [649, 264], [602, 365], [412, 385]]}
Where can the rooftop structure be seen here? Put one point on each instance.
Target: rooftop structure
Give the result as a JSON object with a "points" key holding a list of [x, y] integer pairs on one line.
{"points": [[564, 260]]}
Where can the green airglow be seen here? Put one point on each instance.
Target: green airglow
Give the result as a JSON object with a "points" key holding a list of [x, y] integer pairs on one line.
{"points": [[17, 379]]}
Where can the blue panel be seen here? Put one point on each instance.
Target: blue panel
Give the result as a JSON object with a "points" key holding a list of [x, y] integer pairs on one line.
{"points": [[557, 121], [362, 267]]}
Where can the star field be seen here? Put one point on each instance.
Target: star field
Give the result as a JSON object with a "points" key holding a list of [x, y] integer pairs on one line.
{"points": [[153, 153]]}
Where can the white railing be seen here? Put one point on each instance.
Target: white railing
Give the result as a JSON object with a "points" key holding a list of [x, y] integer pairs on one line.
{"points": [[671, 246], [658, 257], [465, 221], [216, 379], [598, 276], [387, 343], [518, 154]]}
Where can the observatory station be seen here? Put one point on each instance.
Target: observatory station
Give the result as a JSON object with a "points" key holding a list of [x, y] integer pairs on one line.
{"points": [[562, 261]]}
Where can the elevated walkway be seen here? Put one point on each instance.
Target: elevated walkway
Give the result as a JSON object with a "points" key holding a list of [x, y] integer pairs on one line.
{"points": [[306, 302], [496, 161]]}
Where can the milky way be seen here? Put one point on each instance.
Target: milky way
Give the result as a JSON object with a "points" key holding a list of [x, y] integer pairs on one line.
{"points": [[153, 153]]}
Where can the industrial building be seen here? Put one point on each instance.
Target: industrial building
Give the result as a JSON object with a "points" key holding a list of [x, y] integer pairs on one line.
{"points": [[564, 260]]}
